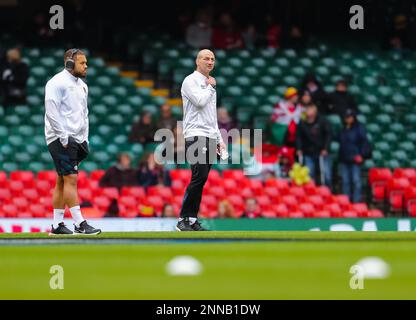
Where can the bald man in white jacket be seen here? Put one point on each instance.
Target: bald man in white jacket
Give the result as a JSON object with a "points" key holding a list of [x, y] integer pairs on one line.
{"points": [[203, 140]]}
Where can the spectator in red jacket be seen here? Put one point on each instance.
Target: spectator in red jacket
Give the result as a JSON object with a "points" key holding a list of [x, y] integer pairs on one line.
{"points": [[226, 35]]}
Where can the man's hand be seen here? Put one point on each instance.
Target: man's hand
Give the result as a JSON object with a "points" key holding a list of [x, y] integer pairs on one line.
{"points": [[211, 81], [221, 146], [358, 159]]}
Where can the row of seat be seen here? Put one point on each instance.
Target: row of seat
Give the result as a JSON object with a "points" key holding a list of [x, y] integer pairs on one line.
{"points": [[22, 191]]}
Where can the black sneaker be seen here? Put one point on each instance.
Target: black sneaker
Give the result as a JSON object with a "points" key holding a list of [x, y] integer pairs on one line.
{"points": [[85, 228], [196, 226], [60, 230], [184, 225]]}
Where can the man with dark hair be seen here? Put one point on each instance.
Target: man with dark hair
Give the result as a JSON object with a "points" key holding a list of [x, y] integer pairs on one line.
{"points": [[353, 149], [340, 100], [66, 132], [13, 78], [312, 143], [121, 174]]}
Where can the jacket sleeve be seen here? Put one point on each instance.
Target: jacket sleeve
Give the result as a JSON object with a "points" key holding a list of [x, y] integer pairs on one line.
{"points": [[298, 141], [198, 96], [327, 134], [52, 106]]}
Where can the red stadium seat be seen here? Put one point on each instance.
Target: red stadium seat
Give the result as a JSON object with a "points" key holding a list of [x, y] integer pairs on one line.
{"points": [[334, 209], [230, 186], [181, 174], [360, 208], [16, 188], [407, 173], [378, 179], [110, 193], [101, 203], [3, 180], [350, 214], [291, 202], [307, 209], [322, 214], [27, 177], [343, 201], [21, 203], [324, 192], [85, 195], [296, 214], [281, 210], [136, 192], [264, 202], [10, 210], [97, 175], [48, 175], [395, 192], [5, 195], [178, 187], [317, 202], [375, 213], [247, 193], [44, 187], [298, 192], [218, 192], [125, 212], [31, 195], [162, 191], [128, 201], [268, 214], [210, 201], [310, 188], [156, 202], [237, 202], [47, 203], [256, 186], [272, 193], [38, 211]]}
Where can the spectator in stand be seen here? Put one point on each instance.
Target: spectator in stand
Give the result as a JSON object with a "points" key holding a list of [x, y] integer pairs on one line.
{"points": [[168, 211], [250, 37], [225, 123], [319, 97], [341, 100], [226, 210], [305, 98], [354, 147], [400, 36], [121, 174], [251, 210], [285, 118], [143, 131], [166, 120], [226, 35], [273, 32], [199, 34], [13, 81], [295, 38], [150, 173], [313, 138]]}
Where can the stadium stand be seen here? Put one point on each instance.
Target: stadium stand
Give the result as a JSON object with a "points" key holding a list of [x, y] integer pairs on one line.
{"points": [[382, 82]]}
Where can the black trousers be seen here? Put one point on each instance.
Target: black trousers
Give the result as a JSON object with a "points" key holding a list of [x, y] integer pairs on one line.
{"points": [[201, 153]]}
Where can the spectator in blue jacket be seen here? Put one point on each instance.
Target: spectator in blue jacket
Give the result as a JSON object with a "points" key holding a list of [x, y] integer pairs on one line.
{"points": [[353, 149]]}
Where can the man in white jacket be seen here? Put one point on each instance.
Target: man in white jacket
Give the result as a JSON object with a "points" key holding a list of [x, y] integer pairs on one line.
{"points": [[203, 140], [66, 133]]}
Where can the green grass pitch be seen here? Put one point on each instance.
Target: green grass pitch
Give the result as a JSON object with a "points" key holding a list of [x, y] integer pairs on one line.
{"points": [[277, 265]]}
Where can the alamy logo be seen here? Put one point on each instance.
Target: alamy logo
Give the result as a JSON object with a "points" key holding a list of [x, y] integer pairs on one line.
{"points": [[357, 20], [57, 20], [57, 280]]}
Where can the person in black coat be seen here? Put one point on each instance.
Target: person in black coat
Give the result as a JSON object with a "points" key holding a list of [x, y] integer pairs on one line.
{"points": [[143, 131], [353, 149], [13, 79], [313, 138], [341, 100], [313, 87]]}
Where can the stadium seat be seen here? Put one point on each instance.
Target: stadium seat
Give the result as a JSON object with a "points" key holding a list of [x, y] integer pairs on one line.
{"points": [[137, 192]]}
